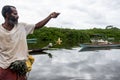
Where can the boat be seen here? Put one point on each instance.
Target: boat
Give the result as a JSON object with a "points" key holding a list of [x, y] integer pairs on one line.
{"points": [[97, 42], [99, 46], [41, 49], [94, 47]]}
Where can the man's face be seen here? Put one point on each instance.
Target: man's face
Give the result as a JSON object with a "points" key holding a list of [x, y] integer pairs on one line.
{"points": [[13, 17]]}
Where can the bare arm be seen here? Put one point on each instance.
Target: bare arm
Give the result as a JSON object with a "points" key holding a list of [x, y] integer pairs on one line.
{"points": [[46, 20]]}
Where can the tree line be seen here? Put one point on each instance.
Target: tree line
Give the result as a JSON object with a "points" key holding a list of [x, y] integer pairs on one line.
{"points": [[70, 37]]}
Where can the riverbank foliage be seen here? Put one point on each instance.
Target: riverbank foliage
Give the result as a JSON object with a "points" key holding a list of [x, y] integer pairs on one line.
{"points": [[70, 37]]}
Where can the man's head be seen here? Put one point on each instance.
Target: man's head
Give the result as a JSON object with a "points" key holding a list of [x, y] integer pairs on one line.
{"points": [[10, 13]]}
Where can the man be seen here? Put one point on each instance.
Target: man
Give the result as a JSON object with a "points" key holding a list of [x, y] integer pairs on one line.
{"points": [[13, 44]]}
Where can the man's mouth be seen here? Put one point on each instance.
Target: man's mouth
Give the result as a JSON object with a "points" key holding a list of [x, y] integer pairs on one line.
{"points": [[13, 20]]}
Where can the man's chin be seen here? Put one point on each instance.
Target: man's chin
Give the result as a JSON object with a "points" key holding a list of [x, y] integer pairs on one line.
{"points": [[13, 23]]}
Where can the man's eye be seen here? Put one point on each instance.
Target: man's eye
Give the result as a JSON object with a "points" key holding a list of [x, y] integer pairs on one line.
{"points": [[15, 13]]}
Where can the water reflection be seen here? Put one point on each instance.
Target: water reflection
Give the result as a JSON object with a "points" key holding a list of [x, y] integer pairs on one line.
{"points": [[75, 65]]}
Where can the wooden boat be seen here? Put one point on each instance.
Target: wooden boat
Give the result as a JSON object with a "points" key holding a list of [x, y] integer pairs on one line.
{"points": [[41, 49], [98, 45], [98, 41]]}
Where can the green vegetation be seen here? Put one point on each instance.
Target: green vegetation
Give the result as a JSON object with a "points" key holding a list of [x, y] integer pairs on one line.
{"points": [[70, 37]]}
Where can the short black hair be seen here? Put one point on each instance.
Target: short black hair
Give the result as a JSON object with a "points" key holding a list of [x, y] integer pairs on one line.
{"points": [[7, 9]]}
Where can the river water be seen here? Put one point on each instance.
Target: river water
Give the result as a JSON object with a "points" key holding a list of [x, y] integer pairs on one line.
{"points": [[71, 64]]}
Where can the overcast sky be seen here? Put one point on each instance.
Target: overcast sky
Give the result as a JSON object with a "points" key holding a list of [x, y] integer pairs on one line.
{"points": [[75, 14]]}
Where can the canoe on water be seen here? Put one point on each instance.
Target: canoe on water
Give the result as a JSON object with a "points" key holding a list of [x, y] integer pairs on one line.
{"points": [[41, 49], [91, 47], [99, 46]]}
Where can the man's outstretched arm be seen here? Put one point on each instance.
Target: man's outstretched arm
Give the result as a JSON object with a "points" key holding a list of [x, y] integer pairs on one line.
{"points": [[45, 21]]}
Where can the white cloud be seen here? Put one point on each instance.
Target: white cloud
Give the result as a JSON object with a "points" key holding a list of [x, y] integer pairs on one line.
{"points": [[79, 14]]}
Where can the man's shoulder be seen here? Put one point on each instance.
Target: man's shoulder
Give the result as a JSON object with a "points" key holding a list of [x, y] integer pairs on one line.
{"points": [[26, 24], [21, 23]]}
